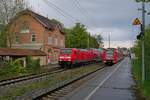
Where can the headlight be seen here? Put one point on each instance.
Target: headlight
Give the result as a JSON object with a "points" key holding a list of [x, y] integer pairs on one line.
{"points": [[68, 57], [61, 57]]}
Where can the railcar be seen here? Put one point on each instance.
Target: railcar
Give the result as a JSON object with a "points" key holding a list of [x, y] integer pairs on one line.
{"points": [[103, 55], [95, 55], [113, 56]]}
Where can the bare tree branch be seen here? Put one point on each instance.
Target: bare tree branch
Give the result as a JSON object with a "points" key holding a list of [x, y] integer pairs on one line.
{"points": [[8, 9]]}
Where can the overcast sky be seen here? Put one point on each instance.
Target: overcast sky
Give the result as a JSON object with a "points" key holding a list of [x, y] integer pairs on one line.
{"points": [[103, 17]]}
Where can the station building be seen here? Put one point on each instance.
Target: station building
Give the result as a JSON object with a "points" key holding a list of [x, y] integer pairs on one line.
{"points": [[29, 30]]}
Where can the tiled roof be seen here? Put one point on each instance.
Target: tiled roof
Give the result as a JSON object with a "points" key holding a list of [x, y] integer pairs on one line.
{"points": [[49, 24], [43, 20], [20, 52]]}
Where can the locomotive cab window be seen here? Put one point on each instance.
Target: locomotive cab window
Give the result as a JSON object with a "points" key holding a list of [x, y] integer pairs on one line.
{"points": [[65, 51], [109, 52]]}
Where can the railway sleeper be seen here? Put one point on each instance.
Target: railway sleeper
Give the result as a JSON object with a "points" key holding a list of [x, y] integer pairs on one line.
{"points": [[57, 95]]}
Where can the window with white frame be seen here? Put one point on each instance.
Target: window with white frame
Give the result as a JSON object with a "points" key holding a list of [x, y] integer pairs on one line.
{"points": [[53, 40], [17, 39], [24, 29], [33, 38], [50, 40], [56, 41]]}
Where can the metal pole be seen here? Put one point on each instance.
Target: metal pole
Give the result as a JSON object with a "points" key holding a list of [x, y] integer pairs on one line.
{"points": [[109, 40], [143, 31], [88, 41]]}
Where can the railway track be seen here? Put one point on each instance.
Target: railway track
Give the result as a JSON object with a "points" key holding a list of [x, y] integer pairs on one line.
{"points": [[29, 77], [16, 80], [67, 87]]}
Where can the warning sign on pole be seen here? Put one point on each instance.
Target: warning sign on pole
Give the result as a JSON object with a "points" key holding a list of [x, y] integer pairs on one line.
{"points": [[136, 22]]}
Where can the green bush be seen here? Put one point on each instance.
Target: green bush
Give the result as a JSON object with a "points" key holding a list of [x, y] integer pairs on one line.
{"points": [[33, 65], [15, 68], [147, 54], [137, 65], [12, 68]]}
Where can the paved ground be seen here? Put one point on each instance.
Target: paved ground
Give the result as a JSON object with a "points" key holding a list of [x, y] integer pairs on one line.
{"points": [[112, 83]]}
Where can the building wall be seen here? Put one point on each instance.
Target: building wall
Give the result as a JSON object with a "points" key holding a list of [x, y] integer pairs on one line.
{"points": [[25, 38], [48, 41], [54, 41], [42, 59]]}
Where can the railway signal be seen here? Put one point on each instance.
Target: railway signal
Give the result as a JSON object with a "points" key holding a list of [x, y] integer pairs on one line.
{"points": [[139, 36], [136, 22]]}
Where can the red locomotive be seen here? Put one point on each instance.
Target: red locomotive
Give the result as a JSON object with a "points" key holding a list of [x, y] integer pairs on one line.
{"points": [[67, 57], [73, 56], [113, 56]]}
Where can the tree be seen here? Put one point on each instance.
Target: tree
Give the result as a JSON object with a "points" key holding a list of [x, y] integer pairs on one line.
{"points": [[78, 37], [93, 43], [75, 37], [142, 0], [99, 39], [1, 27], [8, 9]]}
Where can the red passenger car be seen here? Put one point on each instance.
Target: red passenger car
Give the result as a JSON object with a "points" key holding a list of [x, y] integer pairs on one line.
{"points": [[113, 56], [96, 54], [103, 55]]}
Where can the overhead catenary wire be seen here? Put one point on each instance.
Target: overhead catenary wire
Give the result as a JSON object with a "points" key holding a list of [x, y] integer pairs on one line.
{"points": [[77, 4], [83, 11], [61, 12]]}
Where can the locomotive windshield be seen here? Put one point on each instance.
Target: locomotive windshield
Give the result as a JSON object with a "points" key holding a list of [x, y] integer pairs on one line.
{"points": [[109, 52], [65, 51]]}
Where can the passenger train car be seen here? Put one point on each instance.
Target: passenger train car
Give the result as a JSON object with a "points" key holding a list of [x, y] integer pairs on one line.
{"points": [[113, 55]]}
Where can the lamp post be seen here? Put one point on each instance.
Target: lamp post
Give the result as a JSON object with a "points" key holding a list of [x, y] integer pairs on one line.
{"points": [[143, 32], [109, 39]]}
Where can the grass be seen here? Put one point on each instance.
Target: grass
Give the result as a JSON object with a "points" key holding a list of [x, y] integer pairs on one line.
{"points": [[49, 81], [144, 88], [5, 73], [136, 70]]}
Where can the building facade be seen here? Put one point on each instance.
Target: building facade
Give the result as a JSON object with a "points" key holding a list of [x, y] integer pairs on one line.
{"points": [[29, 30]]}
